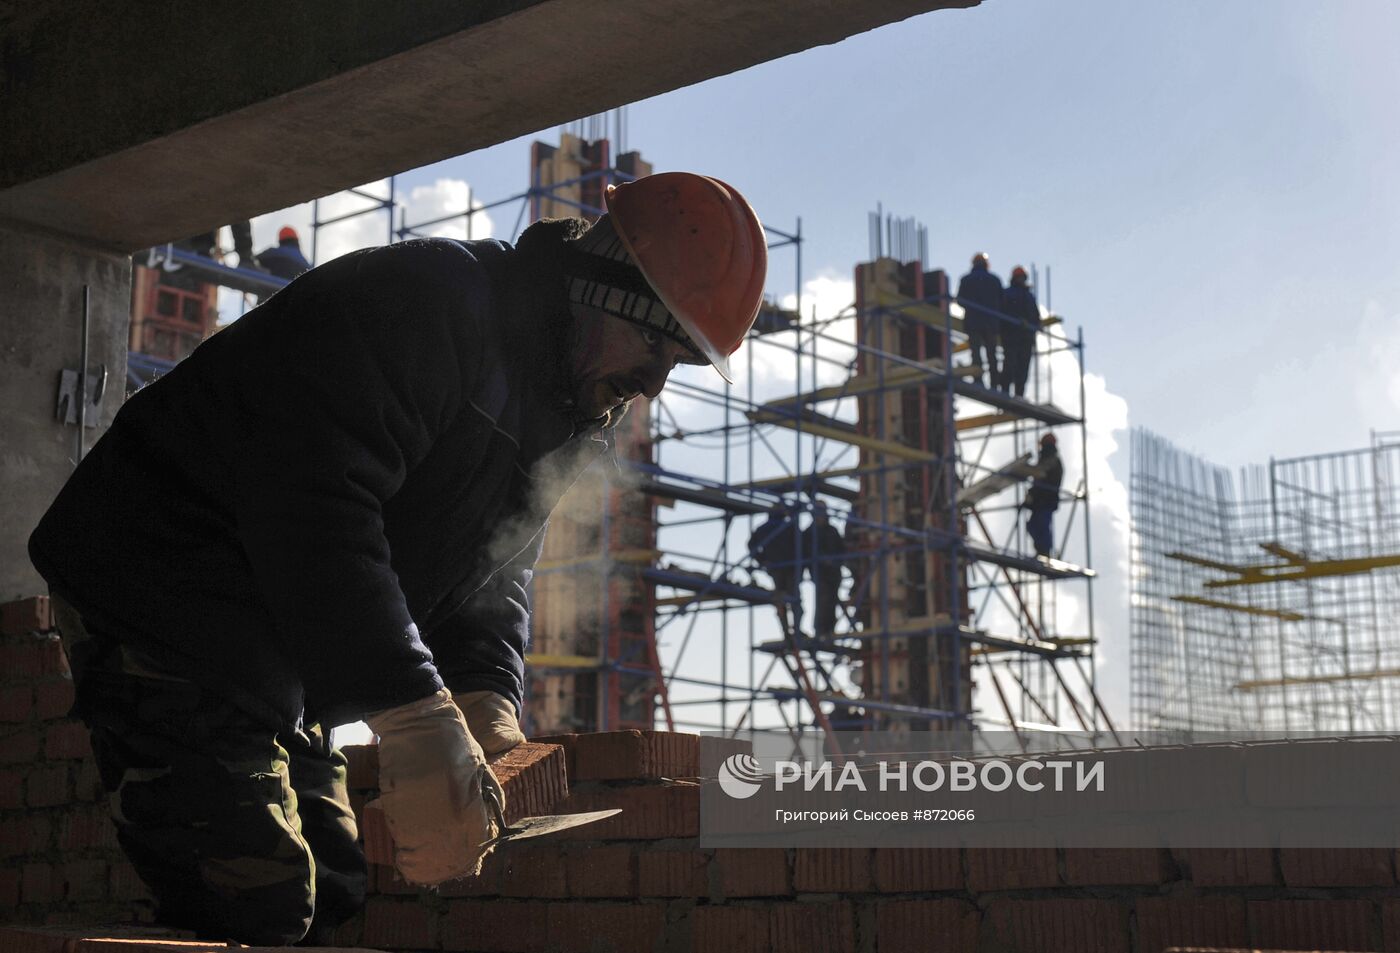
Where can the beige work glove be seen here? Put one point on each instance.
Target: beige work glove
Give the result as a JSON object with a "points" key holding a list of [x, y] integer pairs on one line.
{"points": [[435, 790], [491, 718]]}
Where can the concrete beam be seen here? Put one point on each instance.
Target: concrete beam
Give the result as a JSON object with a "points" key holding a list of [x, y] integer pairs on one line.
{"points": [[129, 126]]}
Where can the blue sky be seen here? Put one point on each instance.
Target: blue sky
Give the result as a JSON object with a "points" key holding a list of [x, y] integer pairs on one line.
{"points": [[1213, 183]]}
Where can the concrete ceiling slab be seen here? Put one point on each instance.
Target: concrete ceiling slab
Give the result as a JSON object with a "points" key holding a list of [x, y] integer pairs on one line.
{"points": [[126, 126]]}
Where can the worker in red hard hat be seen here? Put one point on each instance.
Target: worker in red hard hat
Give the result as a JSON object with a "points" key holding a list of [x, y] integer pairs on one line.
{"points": [[285, 260], [1043, 497], [331, 511], [1022, 314]]}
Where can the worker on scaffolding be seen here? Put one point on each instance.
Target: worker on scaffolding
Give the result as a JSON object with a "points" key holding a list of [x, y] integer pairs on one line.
{"points": [[773, 547], [979, 293], [331, 512], [285, 260], [1021, 324], [825, 557], [1043, 497]]}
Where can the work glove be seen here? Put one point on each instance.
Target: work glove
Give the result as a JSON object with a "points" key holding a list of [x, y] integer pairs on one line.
{"points": [[439, 797], [491, 718]]}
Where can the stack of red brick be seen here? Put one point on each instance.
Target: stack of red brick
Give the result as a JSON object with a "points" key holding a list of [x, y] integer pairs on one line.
{"points": [[639, 882], [59, 860]]}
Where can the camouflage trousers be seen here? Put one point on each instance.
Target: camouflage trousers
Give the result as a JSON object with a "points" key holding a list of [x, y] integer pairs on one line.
{"points": [[239, 831]]}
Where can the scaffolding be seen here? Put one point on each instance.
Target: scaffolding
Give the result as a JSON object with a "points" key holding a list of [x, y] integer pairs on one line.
{"points": [[649, 608], [1270, 602]]}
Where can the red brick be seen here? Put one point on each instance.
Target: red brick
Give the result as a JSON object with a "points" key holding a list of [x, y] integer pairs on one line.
{"points": [[607, 871], [533, 871], [495, 926], [67, 740], [20, 746], [403, 924], [53, 699], [566, 742], [610, 927], [673, 873], [21, 836], [386, 880], [534, 779], [20, 662], [1190, 921], [1116, 866], [1011, 868], [39, 883], [52, 661], [1337, 867], [674, 754], [916, 870], [374, 833], [732, 929], [485, 884], [1056, 925], [1390, 925], [26, 615], [1313, 924], [47, 786], [89, 828], [361, 767], [753, 872], [914, 926], [87, 782], [124, 885], [629, 755], [9, 888], [84, 880], [714, 750], [11, 790], [832, 870], [349, 935], [649, 811], [813, 927], [1231, 866], [16, 703]]}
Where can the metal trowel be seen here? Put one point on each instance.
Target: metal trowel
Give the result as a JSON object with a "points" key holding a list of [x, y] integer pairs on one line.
{"points": [[528, 827]]}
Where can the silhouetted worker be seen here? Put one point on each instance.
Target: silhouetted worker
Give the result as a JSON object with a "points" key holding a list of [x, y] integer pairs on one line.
{"points": [[331, 512], [1018, 332], [207, 243], [774, 547], [1043, 498], [286, 260], [825, 555], [979, 292]]}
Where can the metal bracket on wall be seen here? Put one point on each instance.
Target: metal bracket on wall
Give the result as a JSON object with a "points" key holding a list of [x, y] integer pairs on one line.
{"points": [[67, 409]]}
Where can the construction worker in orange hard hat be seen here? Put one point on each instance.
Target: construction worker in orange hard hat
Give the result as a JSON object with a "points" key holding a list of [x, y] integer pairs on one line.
{"points": [[331, 512], [979, 293]]}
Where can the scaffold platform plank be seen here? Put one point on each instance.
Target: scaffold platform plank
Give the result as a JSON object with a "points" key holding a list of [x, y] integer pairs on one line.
{"points": [[964, 424], [924, 312], [703, 585], [239, 279], [1017, 406], [1038, 565], [779, 691], [822, 426], [1015, 472], [703, 496], [899, 377], [1284, 614], [570, 662]]}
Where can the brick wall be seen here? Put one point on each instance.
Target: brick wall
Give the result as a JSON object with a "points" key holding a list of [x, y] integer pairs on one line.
{"points": [[59, 860], [639, 882]]}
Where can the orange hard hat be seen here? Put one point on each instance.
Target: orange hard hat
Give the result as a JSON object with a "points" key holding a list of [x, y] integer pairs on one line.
{"points": [[1019, 274], [1048, 440], [702, 249], [288, 234]]}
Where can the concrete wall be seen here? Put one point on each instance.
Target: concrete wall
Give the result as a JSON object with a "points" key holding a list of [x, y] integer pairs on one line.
{"points": [[41, 310]]}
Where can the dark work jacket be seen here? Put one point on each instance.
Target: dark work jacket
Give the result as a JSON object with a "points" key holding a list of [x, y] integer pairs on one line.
{"points": [[1018, 303], [774, 544], [825, 551], [979, 292], [337, 501], [1044, 493], [285, 261]]}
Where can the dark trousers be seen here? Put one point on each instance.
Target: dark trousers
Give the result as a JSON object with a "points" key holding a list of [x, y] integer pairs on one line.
{"points": [[1041, 527], [1016, 363], [789, 598], [239, 831], [828, 602], [983, 345]]}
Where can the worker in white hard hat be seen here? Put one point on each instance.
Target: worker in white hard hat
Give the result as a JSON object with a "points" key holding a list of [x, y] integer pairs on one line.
{"points": [[331, 512]]}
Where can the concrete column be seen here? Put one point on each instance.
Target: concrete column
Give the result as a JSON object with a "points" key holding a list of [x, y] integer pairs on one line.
{"points": [[41, 334]]}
